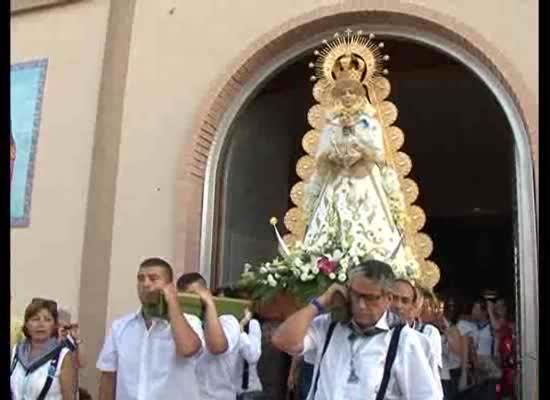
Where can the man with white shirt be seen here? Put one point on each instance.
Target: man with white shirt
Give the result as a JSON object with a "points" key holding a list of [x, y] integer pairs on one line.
{"points": [[371, 356], [426, 327], [147, 357], [486, 343], [486, 369], [250, 350], [407, 304], [458, 336], [218, 373]]}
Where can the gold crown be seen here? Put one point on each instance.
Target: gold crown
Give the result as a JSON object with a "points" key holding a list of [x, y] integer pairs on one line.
{"points": [[349, 67], [349, 56]]}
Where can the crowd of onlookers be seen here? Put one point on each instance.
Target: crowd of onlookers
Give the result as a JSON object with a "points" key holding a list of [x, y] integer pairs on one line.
{"points": [[397, 342]]}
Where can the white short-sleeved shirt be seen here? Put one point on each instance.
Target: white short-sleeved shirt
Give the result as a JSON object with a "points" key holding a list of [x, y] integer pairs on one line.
{"points": [[250, 349], [220, 376], [431, 340], [25, 386], [434, 338], [309, 357], [146, 362], [411, 376], [485, 340], [468, 329]]}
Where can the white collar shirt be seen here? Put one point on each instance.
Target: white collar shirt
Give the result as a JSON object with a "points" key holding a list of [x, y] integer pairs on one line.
{"points": [[250, 349], [451, 360], [430, 339], [145, 360], [220, 375], [468, 329], [411, 377], [434, 339], [433, 335], [485, 339]]}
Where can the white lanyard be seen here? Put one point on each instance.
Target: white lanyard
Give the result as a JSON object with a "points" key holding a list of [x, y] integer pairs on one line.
{"points": [[353, 377]]}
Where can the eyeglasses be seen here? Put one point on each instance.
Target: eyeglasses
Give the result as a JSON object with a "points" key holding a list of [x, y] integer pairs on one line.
{"points": [[367, 297]]}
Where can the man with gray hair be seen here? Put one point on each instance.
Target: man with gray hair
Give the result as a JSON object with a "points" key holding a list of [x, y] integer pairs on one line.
{"points": [[407, 304], [373, 355]]}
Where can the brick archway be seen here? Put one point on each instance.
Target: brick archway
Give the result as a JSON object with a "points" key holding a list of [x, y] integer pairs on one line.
{"points": [[192, 169], [200, 158]]}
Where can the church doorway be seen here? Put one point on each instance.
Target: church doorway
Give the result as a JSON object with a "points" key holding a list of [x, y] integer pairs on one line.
{"points": [[456, 133], [469, 160], [458, 137]]}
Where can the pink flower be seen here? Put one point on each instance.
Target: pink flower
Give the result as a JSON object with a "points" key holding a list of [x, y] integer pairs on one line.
{"points": [[326, 266]]}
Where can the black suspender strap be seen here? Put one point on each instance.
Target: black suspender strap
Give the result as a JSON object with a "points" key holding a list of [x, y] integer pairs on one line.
{"points": [[390, 358], [418, 326], [51, 375], [325, 347], [68, 343], [246, 368]]}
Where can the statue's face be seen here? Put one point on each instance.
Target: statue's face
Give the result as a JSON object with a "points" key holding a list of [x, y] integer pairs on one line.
{"points": [[348, 98]]}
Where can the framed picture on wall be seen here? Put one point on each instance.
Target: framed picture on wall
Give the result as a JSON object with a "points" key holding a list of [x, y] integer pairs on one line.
{"points": [[26, 93]]}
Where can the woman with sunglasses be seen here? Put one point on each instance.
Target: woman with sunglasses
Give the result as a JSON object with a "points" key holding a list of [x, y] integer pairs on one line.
{"points": [[42, 368]]}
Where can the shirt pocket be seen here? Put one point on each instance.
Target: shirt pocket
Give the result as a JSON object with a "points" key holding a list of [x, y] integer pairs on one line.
{"points": [[163, 354]]}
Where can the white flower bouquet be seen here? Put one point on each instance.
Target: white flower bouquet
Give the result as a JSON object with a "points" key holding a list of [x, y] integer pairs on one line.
{"points": [[303, 272]]}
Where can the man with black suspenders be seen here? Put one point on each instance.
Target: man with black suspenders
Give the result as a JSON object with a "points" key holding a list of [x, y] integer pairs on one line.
{"points": [[407, 304], [373, 355]]}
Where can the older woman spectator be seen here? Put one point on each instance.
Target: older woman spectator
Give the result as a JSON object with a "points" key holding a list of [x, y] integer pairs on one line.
{"points": [[41, 367]]}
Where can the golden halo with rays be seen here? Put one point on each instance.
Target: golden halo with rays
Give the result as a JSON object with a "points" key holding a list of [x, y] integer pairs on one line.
{"points": [[349, 43]]}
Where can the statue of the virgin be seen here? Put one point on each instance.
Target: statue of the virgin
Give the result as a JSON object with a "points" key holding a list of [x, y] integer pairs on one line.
{"points": [[354, 196], [355, 202]]}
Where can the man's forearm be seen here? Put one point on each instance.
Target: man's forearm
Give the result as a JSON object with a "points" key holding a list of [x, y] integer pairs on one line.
{"points": [[214, 336], [465, 352], [107, 386], [186, 340], [289, 336], [67, 378], [80, 356]]}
